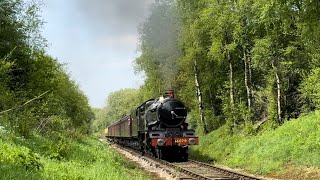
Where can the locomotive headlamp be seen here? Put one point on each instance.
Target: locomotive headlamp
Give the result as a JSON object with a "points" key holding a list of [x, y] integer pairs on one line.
{"points": [[160, 142], [169, 93], [192, 141]]}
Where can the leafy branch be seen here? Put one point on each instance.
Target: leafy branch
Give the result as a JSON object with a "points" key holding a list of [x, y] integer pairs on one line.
{"points": [[27, 102]]}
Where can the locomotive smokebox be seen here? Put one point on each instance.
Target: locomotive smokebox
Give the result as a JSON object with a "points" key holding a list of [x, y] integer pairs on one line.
{"points": [[168, 112]]}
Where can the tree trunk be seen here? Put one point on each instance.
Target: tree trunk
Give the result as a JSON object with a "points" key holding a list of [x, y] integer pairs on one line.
{"points": [[278, 96], [212, 103], [250, 80], [231, 79], [246, 78], [275, 68], [228, 56], [199, 96]]}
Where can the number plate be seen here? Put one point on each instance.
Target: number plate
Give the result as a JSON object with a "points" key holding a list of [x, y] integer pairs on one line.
{"points": [[181, 140]]}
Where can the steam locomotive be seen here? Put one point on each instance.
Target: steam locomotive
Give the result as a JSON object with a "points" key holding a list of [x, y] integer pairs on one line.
{"points": [[156, 127]]}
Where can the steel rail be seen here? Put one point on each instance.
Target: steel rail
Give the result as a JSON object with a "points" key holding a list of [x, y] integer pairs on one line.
{"points": [[212, 172], [228, 172]]}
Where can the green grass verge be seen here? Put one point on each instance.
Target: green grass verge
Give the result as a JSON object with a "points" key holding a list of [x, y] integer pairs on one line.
{"points": [[296, 142], [62, 158]]}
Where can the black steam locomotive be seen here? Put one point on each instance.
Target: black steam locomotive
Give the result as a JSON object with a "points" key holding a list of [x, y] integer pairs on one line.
{"points": [[156, 127]]}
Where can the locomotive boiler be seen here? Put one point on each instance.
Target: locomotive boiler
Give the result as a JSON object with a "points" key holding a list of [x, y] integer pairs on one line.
{"points": [[157, 127]]}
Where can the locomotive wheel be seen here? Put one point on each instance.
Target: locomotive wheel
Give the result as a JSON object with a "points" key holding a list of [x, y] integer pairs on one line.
{"points": [[159, 153], [142, 148], [183, 155], [143, 151]]}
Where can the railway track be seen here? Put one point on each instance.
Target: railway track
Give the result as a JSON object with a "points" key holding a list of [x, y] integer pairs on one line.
{"points": [[195, 169], [200, 170]]}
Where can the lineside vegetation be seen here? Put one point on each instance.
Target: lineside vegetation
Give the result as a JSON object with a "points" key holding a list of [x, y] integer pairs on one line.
{"points": [[247, 70], [295, 144], [60, 157], [45, 119]]}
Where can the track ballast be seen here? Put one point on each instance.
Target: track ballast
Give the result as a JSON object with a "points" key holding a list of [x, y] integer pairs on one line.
{"points": [[195, 169]]}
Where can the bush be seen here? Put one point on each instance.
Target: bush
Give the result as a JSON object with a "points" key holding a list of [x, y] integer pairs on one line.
{"points": [[296, 142], [11, 154], [58, 157], [310, 89]]}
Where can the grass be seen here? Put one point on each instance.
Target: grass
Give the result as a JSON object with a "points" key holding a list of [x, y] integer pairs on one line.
{"points": [[296, 143], [62, 158]]}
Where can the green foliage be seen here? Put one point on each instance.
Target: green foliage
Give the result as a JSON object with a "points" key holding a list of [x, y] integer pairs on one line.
{"points": [[59, 157], [13, 155], [295, 142], [213, 121], [119, 103], [101, 163], [244, 50], [159, 47], [217, 145], [36, 93], [310, 89]]}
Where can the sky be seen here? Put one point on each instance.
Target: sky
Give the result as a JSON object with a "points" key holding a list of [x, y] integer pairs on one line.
{"points": [[98, 42]]}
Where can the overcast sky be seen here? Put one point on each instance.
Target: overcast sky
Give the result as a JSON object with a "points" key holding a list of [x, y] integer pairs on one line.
{"points": [[97, 39]]}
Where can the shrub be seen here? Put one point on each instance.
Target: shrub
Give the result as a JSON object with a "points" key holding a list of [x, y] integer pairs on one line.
{"points": [[295, 142]]}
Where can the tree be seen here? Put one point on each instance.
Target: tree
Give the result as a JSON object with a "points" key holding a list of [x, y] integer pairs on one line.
{"points": [[159, 48], [118, 104], [244, 58], [280, 50], [37, 95]]}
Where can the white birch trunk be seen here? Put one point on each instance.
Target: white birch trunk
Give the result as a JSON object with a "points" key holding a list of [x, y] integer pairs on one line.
{"points": [[199, 96], [246, 78], [231, 79], [275, 68]]}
